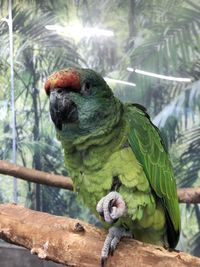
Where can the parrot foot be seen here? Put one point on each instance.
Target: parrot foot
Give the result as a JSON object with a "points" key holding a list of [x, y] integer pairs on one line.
{"points": [[112, 240], [111, 207]]}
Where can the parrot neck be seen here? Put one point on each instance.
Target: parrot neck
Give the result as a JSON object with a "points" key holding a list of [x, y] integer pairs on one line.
{"points": [[87, 134], [98, 144]]}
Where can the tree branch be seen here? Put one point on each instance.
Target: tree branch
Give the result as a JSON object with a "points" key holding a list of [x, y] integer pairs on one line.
{"points": [[35, 176], [185, 195], [189, 195], [76, 243]]}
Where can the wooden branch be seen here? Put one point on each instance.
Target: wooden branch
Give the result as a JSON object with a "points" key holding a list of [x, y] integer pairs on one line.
{"points": [[35, 176], [76, 243], [186, 195], [189, 195]]}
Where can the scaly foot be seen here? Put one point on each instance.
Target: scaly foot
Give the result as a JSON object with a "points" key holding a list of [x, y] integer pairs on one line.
{"points": [[113, 238], [111, 207]]}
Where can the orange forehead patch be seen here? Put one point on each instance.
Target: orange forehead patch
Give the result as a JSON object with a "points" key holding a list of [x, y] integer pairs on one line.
{"points": [[63, 79]]}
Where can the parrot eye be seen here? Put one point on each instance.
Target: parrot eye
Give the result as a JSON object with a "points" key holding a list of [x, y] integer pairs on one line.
{"points": [[86, 89]]}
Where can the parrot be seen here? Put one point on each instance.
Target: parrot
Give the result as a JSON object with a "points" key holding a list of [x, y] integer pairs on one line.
{"points": [[117, 159]]}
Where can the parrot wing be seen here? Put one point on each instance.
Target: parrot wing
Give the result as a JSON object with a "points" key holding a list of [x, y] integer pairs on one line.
{"points": [[147, 145]]}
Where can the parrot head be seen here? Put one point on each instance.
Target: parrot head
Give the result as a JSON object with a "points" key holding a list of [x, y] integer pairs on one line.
{"points": [[80, 99]]}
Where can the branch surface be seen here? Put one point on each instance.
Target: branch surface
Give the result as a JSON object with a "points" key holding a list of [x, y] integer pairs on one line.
{"points": [[76, 243], [185, 195]]}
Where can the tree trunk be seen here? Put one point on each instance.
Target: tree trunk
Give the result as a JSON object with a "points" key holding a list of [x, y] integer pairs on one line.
{"points": [[76, 243], [36, 137], [131, 19]]}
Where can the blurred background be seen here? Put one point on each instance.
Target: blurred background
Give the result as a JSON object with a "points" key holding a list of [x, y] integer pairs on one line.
{"points": [[149, 53]]}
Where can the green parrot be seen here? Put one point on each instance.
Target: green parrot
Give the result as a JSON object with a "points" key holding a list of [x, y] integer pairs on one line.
{"points": [[116, 158]]}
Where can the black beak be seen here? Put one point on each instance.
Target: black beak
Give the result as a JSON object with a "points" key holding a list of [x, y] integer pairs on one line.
{"points": [[62, 108]]}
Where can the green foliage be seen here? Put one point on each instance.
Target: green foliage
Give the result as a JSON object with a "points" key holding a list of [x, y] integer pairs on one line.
{"points": [[166, 43]]}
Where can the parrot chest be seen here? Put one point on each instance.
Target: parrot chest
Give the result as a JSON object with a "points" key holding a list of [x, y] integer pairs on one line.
{"points": [[95, 178]]}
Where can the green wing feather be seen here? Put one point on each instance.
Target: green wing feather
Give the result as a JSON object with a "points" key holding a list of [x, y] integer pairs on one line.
{"points": [[146, 143]]}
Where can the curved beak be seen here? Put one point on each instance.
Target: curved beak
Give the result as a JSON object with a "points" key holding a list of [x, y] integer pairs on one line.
{"points": [[62, 108]]}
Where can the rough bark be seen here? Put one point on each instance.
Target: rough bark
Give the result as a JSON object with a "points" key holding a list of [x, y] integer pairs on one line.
{"points": [[76, 243], [186, 195]]}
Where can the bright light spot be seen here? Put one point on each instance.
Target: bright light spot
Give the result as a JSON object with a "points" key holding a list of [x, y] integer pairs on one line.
{"points": [[130, 69], [76, 30], [171, 78], [118, 81]]}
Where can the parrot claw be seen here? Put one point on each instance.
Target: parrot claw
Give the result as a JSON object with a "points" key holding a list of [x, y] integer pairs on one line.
{"points": [[111, 207], [112, 240], [103, 261]]}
